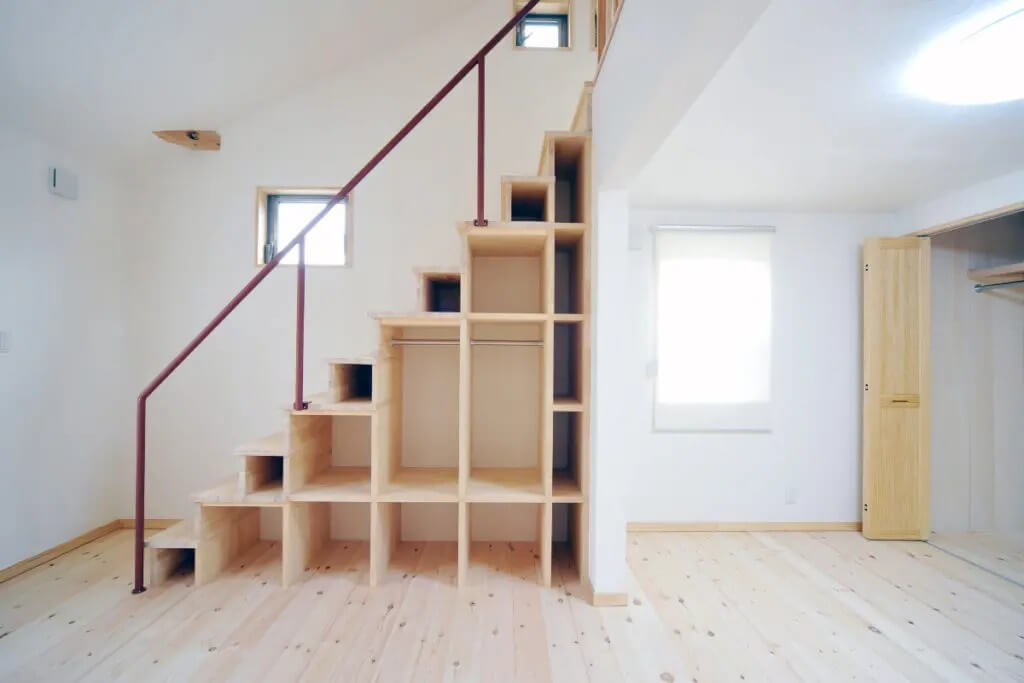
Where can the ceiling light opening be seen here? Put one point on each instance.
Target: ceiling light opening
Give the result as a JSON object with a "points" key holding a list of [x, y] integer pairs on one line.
{"points": [[980, 61]]}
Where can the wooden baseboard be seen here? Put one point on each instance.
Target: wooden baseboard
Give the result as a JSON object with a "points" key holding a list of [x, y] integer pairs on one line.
{"points": [[58, 550], [609, 600], [743, 526], [77, 542], [605, 599], [129, 523]]}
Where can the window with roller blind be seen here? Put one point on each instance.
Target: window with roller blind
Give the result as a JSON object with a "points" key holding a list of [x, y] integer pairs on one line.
{"points": [[713, 328]]}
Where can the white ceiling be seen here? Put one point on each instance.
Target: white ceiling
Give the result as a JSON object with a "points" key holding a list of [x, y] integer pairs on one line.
{"points": [[807, 114], [99, 75]]}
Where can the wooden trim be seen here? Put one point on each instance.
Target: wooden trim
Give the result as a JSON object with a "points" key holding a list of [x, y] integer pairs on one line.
{"points": [[609, 599], [58, 550], [742, 526], [603, 599], [973, 219], [996, 274], [150, 523], [203, 140], [606, 31]]}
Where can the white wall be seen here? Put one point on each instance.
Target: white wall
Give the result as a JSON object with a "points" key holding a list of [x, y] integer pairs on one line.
{"points": [[611, 340], [977, 361], [814, 446], [965, 202], [192, 245], [65, 408]]}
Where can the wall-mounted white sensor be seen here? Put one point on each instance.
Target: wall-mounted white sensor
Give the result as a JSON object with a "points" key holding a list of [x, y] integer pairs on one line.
{"points": [[63, 182]]}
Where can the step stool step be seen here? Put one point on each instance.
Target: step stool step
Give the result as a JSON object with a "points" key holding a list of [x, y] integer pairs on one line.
{"points": [[271, 445], [180, 535]]}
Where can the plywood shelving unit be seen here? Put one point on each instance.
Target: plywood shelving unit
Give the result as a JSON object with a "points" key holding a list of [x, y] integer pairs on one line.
{"points": [[468, 426]]}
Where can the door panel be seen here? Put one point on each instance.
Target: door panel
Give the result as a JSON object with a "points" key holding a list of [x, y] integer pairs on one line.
{"points": [[896, 372]]}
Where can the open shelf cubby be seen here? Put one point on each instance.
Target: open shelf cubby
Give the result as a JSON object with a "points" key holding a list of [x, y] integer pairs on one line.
{"points": [[236, 538], [506, 537], [329, 458], [570, 182], [441, 292], [567, 356], [569, 285], [566, 460], [568, 539], [506, 362], [507, 272], [418, 419], [351, 381], [261, 473], [328, 538], [415, 539], [528, 198]]}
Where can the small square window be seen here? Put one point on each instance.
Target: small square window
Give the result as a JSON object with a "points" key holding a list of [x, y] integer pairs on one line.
{"points": [[283, 213], [543, 30]]}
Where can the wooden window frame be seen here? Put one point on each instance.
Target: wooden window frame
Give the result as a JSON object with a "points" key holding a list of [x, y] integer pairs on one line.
{"points": [[263, 195]]}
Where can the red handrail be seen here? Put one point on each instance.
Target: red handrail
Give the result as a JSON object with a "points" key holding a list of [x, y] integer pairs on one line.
{"points": [[476, 60]]}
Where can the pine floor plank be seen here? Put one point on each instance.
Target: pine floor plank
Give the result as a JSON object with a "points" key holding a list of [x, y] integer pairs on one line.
{"points": [[780, 606]]}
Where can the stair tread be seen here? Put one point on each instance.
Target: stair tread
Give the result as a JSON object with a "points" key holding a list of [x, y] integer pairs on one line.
{"points": [[496, 226], [270, 445], [324, 404], [418, 319], [538, 179], [364, 359], [336, 484], [180, 535], [228, 493]]}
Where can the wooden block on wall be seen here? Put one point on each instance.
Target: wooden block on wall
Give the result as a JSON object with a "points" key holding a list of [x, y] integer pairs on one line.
{"points": [[201, 140]]}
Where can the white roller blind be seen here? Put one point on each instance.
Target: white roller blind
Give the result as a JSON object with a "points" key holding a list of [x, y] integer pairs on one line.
{"points": [[713, 328]]}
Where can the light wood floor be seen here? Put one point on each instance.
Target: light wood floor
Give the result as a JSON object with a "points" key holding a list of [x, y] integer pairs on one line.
{"points": [[703, 606]]}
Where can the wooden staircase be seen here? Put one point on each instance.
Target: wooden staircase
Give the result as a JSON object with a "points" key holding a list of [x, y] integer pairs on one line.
{"points": [[459, 427]]}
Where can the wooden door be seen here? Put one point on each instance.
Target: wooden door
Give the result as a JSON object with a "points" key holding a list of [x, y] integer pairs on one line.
{"points": [[896, 387]]}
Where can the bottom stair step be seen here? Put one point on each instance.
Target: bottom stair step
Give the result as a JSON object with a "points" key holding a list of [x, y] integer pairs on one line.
{"points": [[180, 535], [171, 551]]}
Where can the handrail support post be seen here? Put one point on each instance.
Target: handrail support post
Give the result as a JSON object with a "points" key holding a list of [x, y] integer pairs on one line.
{"points": [[480, 220], [300, 324], [140, 491]]}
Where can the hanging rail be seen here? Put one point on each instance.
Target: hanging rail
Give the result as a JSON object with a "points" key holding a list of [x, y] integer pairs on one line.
{"points": [[998, 285], [476, 61]]}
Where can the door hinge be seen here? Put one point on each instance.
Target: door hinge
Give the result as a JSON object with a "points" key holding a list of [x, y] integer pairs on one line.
{"points": [[865, 507], [866, 267], [865, 387]]}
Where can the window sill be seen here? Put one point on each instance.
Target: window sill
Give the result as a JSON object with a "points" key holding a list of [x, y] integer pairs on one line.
{"points": [[524, 48]]}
